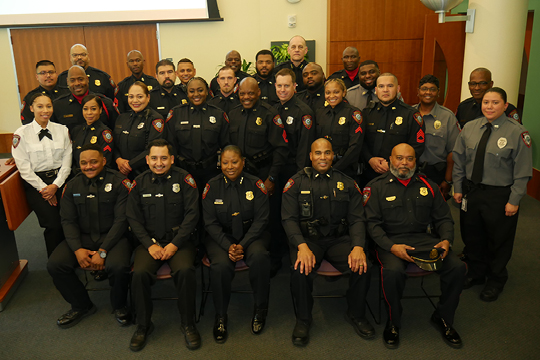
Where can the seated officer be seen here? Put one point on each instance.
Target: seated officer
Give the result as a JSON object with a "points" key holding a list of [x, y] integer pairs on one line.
{"points": [[403, 207], [93, 211], [324, 219], [163, 210]]}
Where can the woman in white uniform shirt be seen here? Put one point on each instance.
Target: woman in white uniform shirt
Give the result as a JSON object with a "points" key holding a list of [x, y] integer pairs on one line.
{"points": [[42, 153]]}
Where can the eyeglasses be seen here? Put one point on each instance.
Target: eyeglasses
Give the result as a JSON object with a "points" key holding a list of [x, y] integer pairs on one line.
{"points": [[430, 89], [45, 73], [475, 84], [78, 55]]}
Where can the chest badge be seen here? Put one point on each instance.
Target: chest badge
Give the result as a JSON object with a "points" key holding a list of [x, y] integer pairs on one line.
{"points": [[340, 186], [399, 120], [108, 187], [390, 198], [423, 191], [149, 87], [93, 140], [212, 119], [325, 103], [290, 120], [140, 126], [176, 188], [97, 82], [249, 195], [502, 142], [258, 121], [341, 120], [437, 124]]}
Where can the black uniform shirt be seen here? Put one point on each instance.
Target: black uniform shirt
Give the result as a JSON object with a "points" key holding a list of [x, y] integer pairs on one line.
{"points": [[469, 110], [315, 100], [123, 89], [297, 71], [98, 80], [97, 133], [218, 208], [113, 190], [333, 196], [393, 209], [214, 86], [26, 114], [342, 74], [268, 89], [163, 101], [225, 103], [177, 194]]}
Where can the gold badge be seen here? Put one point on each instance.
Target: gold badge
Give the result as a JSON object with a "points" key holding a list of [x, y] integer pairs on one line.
{"points": [[433, 254], [423, 191], [341, 120], [258, 121], [391, 198], [93, 140], [149, 87], [326, 103], [108, 187], [97, 82], [340, 186], [437, 124], [176, 187], [249, 195], [399, 120]]}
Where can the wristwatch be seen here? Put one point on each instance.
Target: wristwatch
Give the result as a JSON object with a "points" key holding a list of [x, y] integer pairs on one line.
{"points": [[272, 179], [448, 182], [102, 254]]}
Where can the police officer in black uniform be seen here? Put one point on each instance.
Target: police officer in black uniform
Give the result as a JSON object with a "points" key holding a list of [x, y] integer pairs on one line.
{"points": [[389, 123], [297, 50], [236, 213], [100, 82], [313, 79], [93, 211], [134, 130], [234, 61], [48, 84], [400, 207], [93, 132], [349, 75], [197, 131], [226, 98], [324, 219], [68, 108], [135, 63], [167, 95], [185, 71], [264, 65], [163, 210]]}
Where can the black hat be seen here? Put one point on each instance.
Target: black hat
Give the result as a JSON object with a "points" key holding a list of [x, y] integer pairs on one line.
{"points": [[427, 257]]}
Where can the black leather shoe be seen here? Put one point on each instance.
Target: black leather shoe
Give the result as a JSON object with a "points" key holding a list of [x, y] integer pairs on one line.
{"points": [[362, 326], [470, 282], [73, 317], [300, 335], [140, 336], [258, 321], [490, 293], [191, 336], [391, 336], [449, 334], [220, 329], [123, 316], [101, 275]]}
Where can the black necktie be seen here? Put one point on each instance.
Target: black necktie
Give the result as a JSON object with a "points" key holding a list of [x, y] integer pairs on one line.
{"points": [[43, 133], [242, 132], [478, 168], [160, 210], [381, 129], [236, 207], [196, 132], [94, 210], [369, 102]]}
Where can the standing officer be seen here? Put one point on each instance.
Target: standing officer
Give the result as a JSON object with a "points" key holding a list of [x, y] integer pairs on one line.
{"points": [[68, 108], [324, 219], [264, 65], [297, 50], [313, 79], [163, 210], [234, 61], [48, 84], [93, 211], [135, 63], [363, 95], [349, 75], [225, 97], [168, 95], [389, 123], [400, 207], [100, 81], [185, 71], [492, 165], [442, 131]]}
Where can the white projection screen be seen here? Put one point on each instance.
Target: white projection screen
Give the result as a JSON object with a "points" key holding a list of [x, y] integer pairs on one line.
{"points": [[43, 12]]}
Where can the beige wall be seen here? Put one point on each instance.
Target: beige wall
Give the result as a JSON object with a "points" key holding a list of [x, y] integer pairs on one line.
{"points": [[10, 118]]}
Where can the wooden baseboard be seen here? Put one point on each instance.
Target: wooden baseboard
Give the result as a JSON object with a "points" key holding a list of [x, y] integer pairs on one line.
{"points": [[533, 187], [11, 285]]}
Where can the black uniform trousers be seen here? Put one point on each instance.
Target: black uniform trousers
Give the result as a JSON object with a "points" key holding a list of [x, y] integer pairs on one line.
{"points": [[393, 278], [336, 251], [222, 272], [488, 233], [48, 216], [63, 262], [183, 273], [436, 172]]}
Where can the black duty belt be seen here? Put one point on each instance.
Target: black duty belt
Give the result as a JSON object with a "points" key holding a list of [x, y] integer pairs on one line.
{"points": [[48, 173], [203, 164]]}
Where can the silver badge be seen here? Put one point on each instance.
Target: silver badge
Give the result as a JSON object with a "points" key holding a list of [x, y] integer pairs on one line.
{"points": [[212, 119], [290, 120], [176, 187], [108, 187], [502, 142], [140, 126]]}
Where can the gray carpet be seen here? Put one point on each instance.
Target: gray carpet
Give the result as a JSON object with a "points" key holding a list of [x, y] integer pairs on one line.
{"points": [[505, 329]]}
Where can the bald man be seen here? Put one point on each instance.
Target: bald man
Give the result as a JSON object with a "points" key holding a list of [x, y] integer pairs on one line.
{"points": [[401, 234], [313, 80], [297, 50], [135, 63], [234, 61], [99, 81], [349, 73]]}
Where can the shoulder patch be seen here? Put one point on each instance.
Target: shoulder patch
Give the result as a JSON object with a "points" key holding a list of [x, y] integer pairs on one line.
{"points": [[514, 115], [420, 136], [113, 85], [226, 117], [169, 116], [107, 136], [288, 185], [261, 186], [128, 184], [418, 118], [190, 181], [357, 116], [307, 121], [526, 138], [16, 140], [357, 187], [367, 194], [278, 122], [158, 125], [205, 191]]}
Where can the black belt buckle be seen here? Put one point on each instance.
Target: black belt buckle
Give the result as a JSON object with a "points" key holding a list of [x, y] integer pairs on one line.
{"points": [[51, 173]]}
